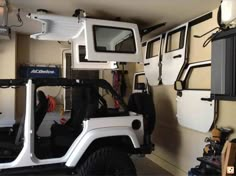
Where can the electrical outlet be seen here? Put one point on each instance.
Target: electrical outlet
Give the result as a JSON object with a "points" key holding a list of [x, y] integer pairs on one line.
{"points": [[230, 170]]}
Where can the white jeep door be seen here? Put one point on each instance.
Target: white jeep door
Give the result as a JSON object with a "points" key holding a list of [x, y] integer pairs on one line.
{"points": [[195, 108], [152, 60], [174, 54]]}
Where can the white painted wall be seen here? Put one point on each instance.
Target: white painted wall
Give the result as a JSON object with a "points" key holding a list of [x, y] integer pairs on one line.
{"points": [[7, 71], [39, 52]]}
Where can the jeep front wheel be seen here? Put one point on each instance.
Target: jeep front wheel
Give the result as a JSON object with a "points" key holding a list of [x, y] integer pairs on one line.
{"points": [[107, 161]]}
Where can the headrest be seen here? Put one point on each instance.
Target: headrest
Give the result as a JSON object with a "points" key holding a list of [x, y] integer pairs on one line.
{"points": [[41, 96]]}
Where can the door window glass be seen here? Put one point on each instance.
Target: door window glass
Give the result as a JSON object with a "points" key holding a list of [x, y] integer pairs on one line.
{"points": [[175, 40], [153, 48], [199, 78], [111, 39]]}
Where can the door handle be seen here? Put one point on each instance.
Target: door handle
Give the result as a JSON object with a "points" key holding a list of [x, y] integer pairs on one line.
{"points": [[177, 56], [146, 64], [206, 99]]}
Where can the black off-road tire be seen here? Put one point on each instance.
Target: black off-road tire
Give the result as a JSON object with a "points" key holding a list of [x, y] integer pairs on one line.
{"points": [[107, 161]]}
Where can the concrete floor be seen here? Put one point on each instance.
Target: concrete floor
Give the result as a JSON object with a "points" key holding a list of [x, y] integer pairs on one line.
{"points": [[144, 167]]}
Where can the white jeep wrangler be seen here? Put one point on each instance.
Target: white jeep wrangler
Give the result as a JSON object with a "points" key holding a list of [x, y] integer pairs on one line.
{"points": [[96, 140]]}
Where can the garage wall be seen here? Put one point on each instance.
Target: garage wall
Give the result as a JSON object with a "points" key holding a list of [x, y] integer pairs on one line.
{"points": [[7, 71], [31, 51], [177, 147], [38, 52]]}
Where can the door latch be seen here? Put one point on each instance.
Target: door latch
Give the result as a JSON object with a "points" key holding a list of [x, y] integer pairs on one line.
{"points": [[206, 99], [177, 56]]}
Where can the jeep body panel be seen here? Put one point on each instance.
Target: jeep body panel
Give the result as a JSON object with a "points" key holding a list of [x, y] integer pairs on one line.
{"points": [[93, 128]]}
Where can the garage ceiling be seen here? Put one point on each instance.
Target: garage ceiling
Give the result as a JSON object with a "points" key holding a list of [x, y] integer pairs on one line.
{"points": [[143, 12]]}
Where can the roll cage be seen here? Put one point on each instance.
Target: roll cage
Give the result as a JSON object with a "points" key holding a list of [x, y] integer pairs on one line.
{"points": [[64, 82]]}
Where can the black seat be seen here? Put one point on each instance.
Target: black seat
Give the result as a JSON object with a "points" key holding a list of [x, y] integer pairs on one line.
{"points": [[41, 109], [11, 149], [142, 103], [84, 105]]}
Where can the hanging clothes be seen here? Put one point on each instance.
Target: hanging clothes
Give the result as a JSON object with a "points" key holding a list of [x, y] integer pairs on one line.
{"points": [[119, 84], [116, 86]]}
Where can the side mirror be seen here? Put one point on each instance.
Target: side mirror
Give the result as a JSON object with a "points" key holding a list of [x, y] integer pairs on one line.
{"points": [[178, 85]]}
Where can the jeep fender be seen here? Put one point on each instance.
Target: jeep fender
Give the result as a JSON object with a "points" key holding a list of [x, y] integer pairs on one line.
{"points": [[92, 135]]}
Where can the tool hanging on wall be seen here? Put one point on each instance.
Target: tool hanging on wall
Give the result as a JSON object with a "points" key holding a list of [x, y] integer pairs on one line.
{"points": [[119, 83], [123, 85], [116, 85]]}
